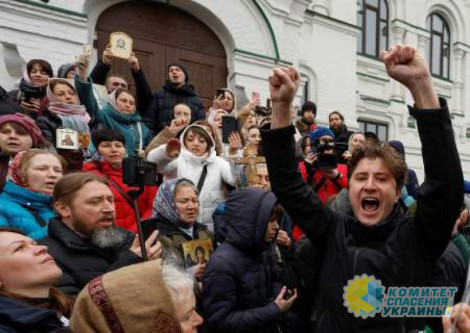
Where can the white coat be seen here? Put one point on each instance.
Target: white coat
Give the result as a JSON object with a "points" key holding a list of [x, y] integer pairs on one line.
{"points": [[189, 166]]}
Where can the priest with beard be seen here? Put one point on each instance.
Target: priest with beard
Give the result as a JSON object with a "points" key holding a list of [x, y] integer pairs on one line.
{"points": [[84, 239]]}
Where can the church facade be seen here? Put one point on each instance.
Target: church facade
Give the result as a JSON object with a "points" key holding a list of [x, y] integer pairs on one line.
{"points": [[335, 45]]}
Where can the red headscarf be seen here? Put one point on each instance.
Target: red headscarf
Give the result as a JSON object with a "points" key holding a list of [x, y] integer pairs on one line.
{"points": [[14, 171]]}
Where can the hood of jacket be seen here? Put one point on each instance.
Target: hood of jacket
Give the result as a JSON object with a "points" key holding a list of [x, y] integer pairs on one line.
{"points": [[23, 196], [246, 217], [188, 155], [398, 145]]}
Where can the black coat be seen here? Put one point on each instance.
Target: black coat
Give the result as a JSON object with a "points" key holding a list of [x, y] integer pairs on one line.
{"points": [[48, 123], [160, 111], [241, 281], [79, 260], [7, 104], [20, 317], [399, 251]]}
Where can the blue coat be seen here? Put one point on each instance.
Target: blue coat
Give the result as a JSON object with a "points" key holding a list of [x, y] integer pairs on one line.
{"points": [[16, 316], [238, 283], [13, 213]]}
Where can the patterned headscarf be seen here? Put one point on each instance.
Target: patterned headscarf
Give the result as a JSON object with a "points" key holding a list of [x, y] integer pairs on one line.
{"points": [[164, 204], [14, 170]]}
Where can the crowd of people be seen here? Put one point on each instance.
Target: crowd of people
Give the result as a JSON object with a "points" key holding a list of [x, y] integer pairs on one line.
{"points": [[255, 222]]}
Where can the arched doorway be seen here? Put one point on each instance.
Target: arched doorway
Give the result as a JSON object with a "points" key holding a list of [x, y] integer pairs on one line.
{"points": [[163, 34]]}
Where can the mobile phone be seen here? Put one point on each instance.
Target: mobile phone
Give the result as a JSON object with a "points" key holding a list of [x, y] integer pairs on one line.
{"points": [[220, 92], [229, 125]]}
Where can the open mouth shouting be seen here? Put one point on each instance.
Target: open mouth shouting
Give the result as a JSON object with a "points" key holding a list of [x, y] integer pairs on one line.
{"points": [[370, 205]]}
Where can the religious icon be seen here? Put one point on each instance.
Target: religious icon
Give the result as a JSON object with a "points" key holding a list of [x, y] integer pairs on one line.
{"points": [[121, 45], [197, 252], [66, 138]]}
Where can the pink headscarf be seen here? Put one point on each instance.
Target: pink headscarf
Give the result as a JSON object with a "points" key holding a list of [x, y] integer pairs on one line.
{"points": [[64, 109], [27, 79]]}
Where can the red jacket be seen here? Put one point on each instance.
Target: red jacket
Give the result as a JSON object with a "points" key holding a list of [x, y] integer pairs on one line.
{"points": [[124, 212], [328, 189]]}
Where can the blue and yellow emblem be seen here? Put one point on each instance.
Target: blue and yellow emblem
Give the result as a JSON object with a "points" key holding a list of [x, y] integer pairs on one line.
{"points": [[363, 296]]}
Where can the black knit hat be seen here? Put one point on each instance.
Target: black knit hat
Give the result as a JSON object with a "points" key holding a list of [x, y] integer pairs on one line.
{"points": [[181, 66], [309, 106]]}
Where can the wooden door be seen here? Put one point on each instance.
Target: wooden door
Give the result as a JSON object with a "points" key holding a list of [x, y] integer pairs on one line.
{"points": [[163, 34]]}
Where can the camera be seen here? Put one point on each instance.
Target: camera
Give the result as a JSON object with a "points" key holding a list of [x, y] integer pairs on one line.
{"points": [[264, 111], [328, 155], [137, 172]]}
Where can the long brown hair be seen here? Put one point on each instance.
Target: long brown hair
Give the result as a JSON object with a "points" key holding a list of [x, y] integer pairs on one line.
{"points": [[56, 301]]}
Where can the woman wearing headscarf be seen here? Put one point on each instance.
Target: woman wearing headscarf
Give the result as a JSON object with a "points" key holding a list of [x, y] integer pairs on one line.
{"points": [[146, 297], [64, 111], [194, 157], [25, 202], [176, 210], [31, 92], [67, 71], [28, 301], [107, 163], [119, 113]]}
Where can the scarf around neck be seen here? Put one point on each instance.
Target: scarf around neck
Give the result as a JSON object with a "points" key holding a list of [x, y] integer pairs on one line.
{"points": [[73, 116]]}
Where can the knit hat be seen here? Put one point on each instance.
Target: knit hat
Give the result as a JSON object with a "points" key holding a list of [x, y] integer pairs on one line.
{"points": [[64, 69], [27, 123], [131, 299], [319, 132], [398, 145], [181, 66], [309, 106]]}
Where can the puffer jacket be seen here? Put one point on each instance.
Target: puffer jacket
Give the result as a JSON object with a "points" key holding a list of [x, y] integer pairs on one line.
{"points": [[399, 251], [160, 112], [240, 282], [219, 171], [13, 212], [125, 217]]}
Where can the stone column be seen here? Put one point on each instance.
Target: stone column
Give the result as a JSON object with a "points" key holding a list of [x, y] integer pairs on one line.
{"points": [[398, 34], [458, 81]]}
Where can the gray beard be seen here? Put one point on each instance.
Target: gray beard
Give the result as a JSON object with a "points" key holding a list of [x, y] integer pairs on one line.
{"points": [[105, 238]]}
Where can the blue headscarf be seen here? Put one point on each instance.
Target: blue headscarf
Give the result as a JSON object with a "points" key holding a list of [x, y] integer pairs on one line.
{"points": [[165, 206]]}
